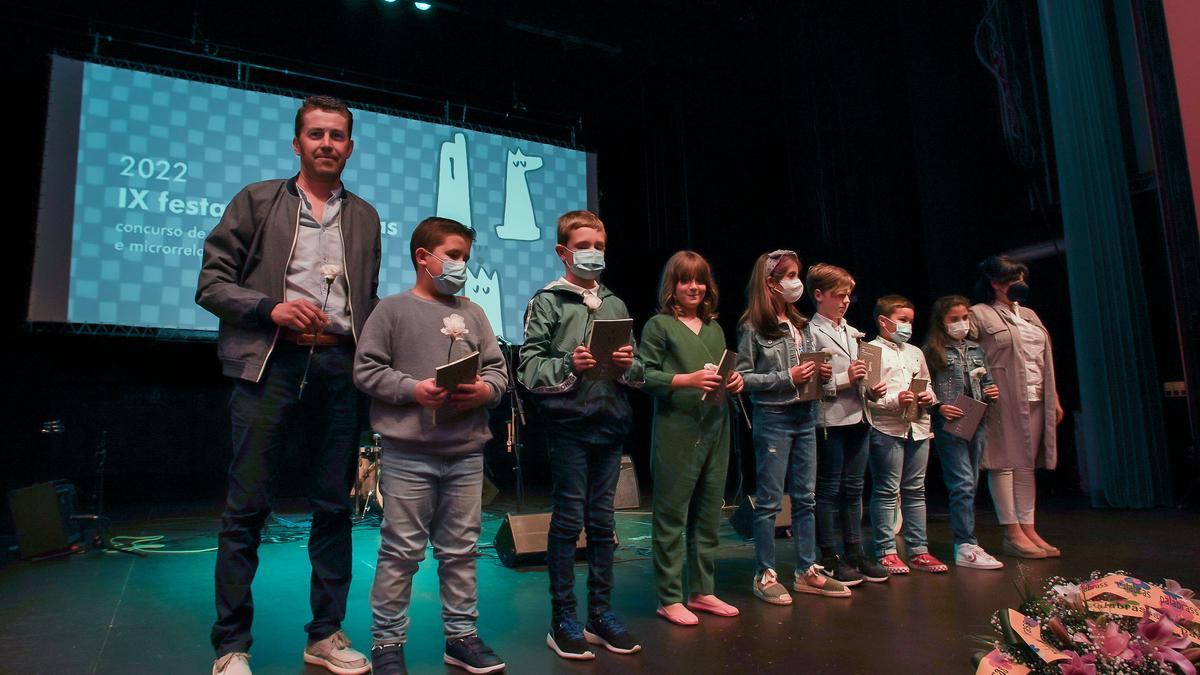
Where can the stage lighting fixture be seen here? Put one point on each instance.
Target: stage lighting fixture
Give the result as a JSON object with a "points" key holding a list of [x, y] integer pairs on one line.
{"points": [[423, 6]]}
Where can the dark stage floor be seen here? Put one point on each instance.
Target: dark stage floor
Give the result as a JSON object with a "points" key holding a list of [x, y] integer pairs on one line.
{"points": [[113, 613]]}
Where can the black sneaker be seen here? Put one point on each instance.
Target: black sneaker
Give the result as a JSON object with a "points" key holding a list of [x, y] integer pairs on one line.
{"points": [[839, 570], [870, 569], [606, 629], [566, 639], [472, 655], [388, 660]]}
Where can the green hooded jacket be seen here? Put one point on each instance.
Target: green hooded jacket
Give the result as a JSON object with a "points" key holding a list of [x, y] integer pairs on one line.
{"points": [[556, 322]]}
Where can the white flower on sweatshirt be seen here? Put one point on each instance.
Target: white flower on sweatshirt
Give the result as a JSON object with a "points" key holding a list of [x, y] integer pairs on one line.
{"points": [[454, 326]]}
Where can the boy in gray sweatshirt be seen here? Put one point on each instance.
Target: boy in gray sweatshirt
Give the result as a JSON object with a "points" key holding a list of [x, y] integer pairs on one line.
{"points": [[431, 472]]}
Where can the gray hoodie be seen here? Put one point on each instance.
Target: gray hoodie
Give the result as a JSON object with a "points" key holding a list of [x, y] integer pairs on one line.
{"points": [[404, 340]]}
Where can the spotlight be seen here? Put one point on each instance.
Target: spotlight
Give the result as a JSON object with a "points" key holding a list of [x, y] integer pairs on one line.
{"points": [[423, 6], [389, 1]]}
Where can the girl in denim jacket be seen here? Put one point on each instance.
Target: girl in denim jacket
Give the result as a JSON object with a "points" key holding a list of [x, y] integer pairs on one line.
{"points": [[958, 367], [772, 334]]}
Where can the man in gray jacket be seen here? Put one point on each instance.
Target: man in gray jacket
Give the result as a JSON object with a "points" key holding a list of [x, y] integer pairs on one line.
{"points": [[292, 271]]}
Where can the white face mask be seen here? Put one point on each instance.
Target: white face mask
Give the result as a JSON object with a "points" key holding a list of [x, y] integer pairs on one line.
{"points": [[791, 289], [958, 330]]}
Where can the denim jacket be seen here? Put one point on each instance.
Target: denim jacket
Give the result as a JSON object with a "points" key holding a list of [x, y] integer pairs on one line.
{"points": [[952, 380], [765, 364]]}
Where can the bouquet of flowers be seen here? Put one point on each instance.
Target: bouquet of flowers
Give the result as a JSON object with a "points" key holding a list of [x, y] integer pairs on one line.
{"points": [[1105, 623]]}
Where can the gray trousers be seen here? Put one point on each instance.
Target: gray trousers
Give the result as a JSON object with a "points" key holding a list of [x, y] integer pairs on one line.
{"points": [[427, 498]]}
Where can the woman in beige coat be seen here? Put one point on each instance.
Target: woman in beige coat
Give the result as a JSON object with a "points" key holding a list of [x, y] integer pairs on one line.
{"points": [[1022, 423]]}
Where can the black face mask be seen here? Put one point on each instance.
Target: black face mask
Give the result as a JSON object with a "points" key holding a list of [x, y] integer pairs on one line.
{"points": [[1018, 292]]}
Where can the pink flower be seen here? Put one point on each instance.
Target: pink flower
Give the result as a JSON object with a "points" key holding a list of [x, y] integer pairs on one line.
{"points": [[1160, 633], [1163, 644], [1078, 665], [1173, 586], [1111, 641]]}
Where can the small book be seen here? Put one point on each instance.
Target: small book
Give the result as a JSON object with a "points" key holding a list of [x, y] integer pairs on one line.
{"points": [[605, 337], [917, 386], [724, 368], [872, 355], [448, 377], [811, 390], [966, 426]]}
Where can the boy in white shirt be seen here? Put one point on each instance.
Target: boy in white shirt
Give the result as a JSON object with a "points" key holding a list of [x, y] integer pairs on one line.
{"points": [[900, 441]]}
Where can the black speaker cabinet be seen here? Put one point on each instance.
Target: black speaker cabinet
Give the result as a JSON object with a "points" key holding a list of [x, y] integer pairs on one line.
{"points": [[521, 540], [42, 518], [743, 518], [628, 496], [490, 491]]}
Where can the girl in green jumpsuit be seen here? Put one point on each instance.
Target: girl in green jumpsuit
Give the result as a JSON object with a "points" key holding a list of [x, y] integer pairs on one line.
{"points": [[690, 444]]}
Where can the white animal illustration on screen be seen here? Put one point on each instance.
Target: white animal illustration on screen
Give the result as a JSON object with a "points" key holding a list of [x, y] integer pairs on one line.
{"points": [[454, 181], [483, 289], [519, 221]]}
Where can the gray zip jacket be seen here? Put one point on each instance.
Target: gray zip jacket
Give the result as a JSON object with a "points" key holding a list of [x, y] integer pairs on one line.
{"points": [[246, 256]]}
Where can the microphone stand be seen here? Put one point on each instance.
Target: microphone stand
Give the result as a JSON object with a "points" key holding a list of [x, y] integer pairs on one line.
{"points": [[99, 540], [516, 420]]}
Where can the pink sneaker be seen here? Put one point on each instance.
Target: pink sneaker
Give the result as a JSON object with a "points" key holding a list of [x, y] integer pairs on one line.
{"points": [[678, 614], [711, 604]]}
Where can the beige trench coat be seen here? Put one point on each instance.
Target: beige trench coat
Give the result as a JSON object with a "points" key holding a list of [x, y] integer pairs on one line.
{"points": [[1009, 442]]}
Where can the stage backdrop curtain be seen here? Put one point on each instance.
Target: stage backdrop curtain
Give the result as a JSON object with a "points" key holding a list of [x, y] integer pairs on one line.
{"points": [[1123, 436]]}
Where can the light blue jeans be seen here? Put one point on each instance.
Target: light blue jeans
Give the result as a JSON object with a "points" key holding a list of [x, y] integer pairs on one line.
{"points": [[898, 469], [960, 470], [785, 451], [427, 498]]}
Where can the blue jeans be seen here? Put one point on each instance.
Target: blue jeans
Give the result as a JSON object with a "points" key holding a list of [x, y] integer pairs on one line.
{"points": [[583, 483], [960, 469], [898, 469], [841, 465], [427, 498], [785, 452]]}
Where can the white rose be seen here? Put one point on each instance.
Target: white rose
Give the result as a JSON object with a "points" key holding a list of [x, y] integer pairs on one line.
{"points": [[592, 301], [330, 272], [454, 326]]}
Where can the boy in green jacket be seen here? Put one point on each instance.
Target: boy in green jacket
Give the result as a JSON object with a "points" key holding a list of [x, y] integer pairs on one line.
{"points": [[586, 424]]}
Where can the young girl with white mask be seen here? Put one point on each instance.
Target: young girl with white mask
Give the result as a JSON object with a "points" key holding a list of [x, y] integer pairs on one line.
{"points": [[959, 368], [772, 336]]}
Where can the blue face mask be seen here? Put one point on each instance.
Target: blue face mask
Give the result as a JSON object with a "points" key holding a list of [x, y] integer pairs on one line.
{"points": [[453, 276], [900, 332], [587, 263]]}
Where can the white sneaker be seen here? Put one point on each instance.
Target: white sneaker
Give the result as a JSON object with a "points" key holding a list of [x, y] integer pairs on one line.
{"points": [[973, 555], [233, 663]]}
